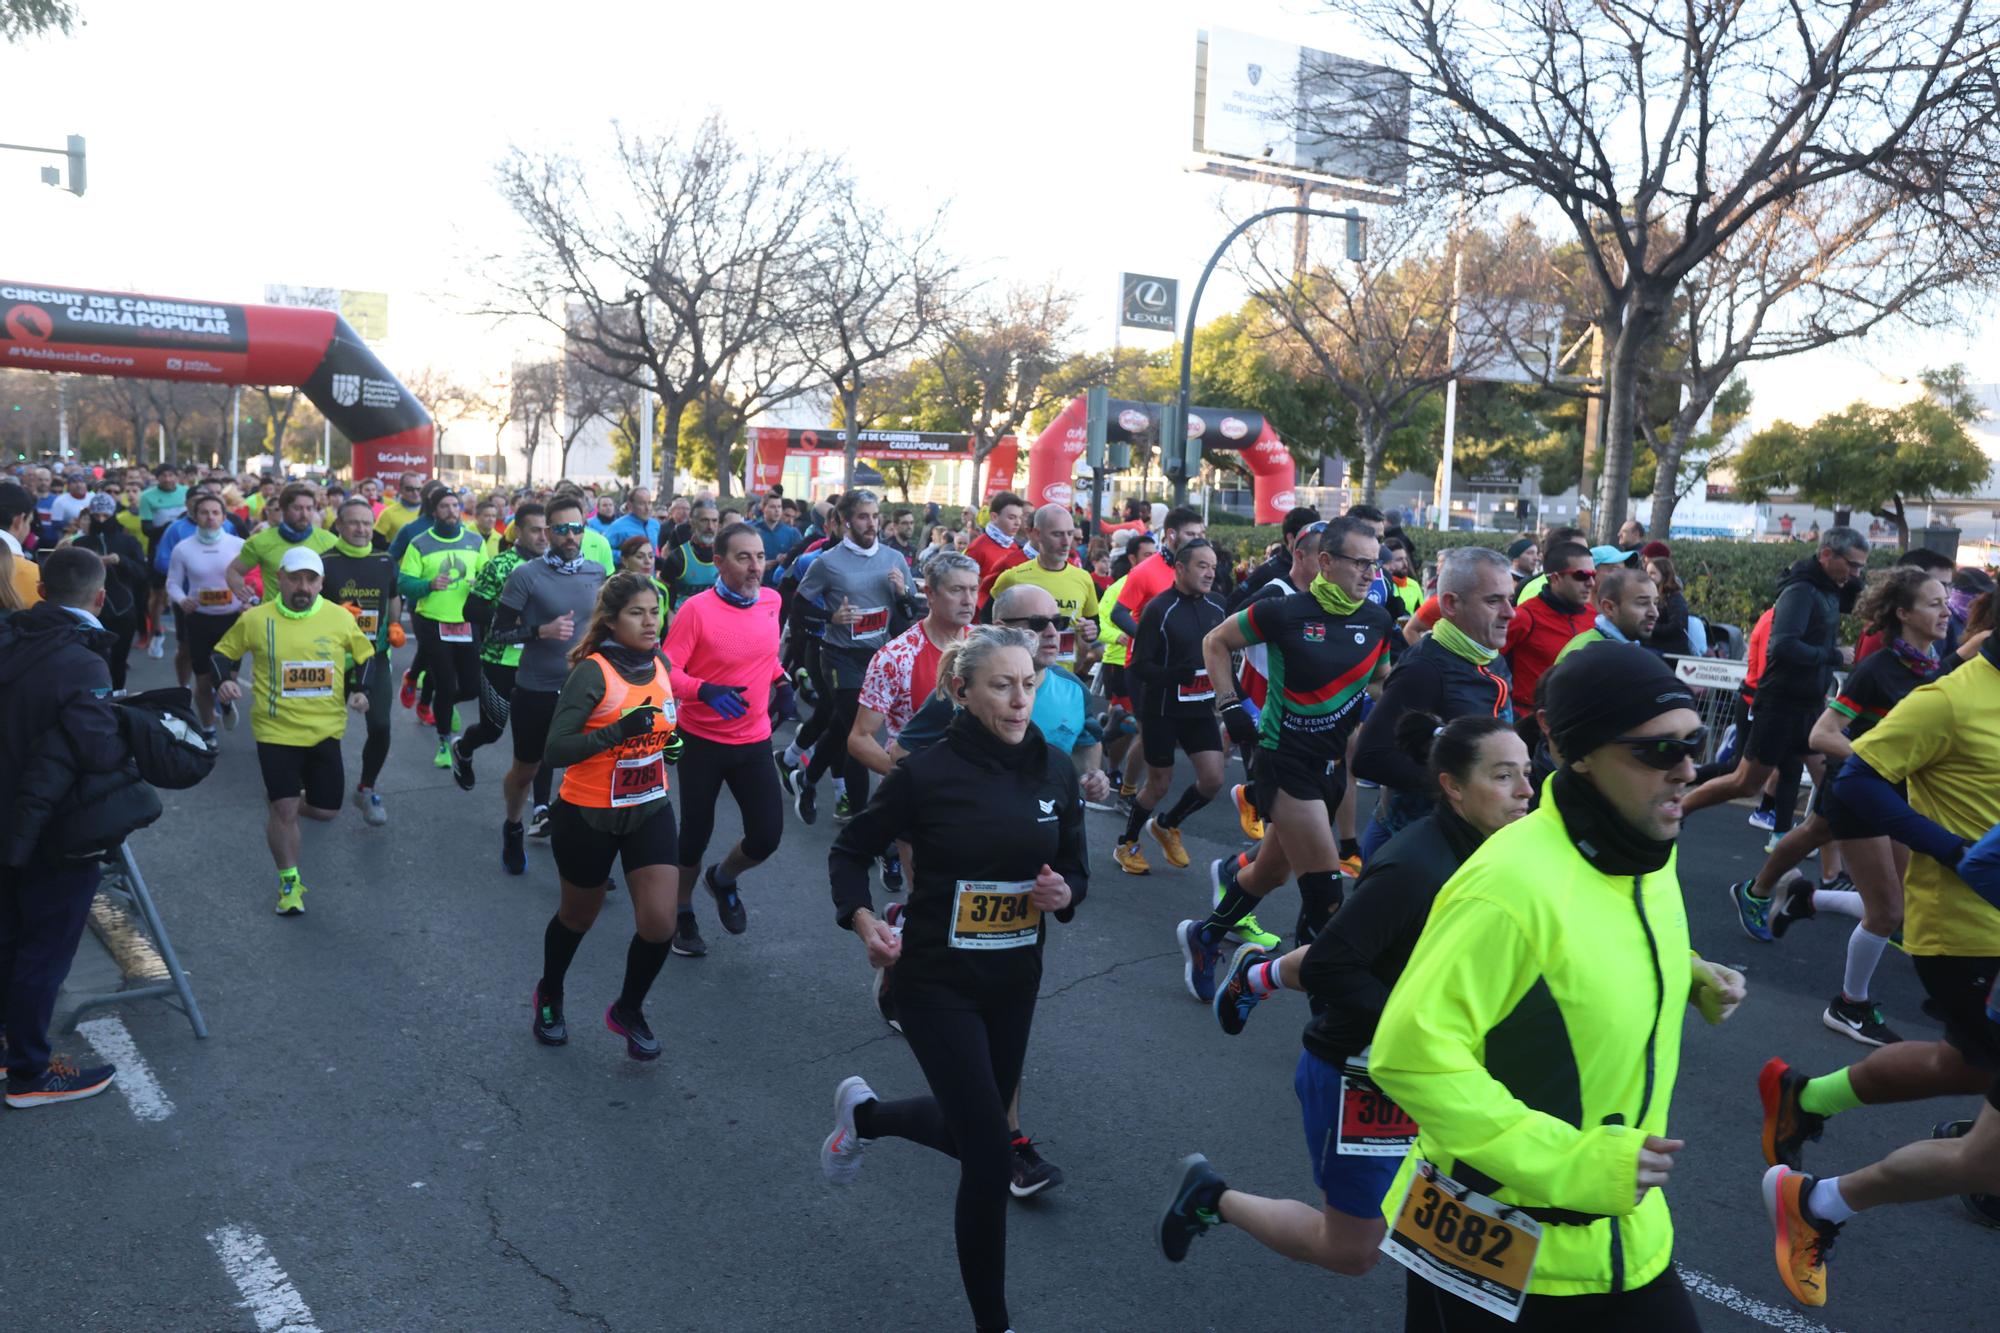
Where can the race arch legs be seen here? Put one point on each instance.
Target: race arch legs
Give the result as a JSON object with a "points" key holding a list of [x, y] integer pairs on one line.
{"points": [[1053, 457]]}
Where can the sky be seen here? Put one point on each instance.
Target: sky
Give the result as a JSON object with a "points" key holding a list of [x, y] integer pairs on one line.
{"points": [[237, 144]]}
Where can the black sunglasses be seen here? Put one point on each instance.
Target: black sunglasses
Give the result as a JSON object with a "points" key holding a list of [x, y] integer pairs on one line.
{"points": [[566, 529], [1665, 753], [1040, 623]]}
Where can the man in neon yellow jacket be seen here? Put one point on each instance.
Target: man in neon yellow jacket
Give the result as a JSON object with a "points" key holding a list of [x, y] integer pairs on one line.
{"points": [[1535, 1034]]}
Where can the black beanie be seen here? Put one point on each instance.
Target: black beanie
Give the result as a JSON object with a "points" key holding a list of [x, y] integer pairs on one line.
{"points": [[1604, 690]]}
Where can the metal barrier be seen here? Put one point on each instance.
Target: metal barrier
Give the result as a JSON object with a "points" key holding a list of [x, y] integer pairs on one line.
{"points": [[1716, 681], [141, 949]]}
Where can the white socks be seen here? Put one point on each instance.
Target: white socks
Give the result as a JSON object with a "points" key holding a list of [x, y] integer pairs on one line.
{"points": [[1864, 951], [1826, 1204], [1847, 902]]}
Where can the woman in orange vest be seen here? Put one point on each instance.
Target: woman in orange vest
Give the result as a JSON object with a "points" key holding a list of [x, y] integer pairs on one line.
{"points": [[613, 733]]}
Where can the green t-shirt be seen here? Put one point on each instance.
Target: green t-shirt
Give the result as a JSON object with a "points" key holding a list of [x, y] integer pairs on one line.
{"points": [[266, 549], [160, 507], [486, 586], [595, 547], [457, 558]]}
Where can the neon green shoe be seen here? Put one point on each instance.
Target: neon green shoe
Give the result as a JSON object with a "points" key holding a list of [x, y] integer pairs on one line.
{"points": [[1247, 931], [291, 898], [443, 759]]}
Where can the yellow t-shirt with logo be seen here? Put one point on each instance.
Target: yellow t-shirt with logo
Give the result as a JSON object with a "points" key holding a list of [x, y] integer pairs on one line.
{"points": [[298, 686], [1075, 593], [1944, 740], [266, 549]]}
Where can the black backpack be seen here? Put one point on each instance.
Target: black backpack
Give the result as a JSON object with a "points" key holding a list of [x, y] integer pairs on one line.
{"points": [[165, 738]]}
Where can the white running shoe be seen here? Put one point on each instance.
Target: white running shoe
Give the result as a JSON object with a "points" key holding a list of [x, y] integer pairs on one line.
{"points": [[155, 649], [840, 1155]]}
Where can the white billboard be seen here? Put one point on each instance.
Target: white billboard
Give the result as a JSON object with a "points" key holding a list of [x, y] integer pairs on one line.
{"points": [[1294, 107]]}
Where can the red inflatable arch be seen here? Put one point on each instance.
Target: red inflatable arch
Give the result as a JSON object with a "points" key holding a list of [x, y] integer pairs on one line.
{"points": [[207, 342], [1053, 457]]}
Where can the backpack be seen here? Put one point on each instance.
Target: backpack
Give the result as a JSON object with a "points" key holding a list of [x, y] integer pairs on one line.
{"points": [[165, 738]]}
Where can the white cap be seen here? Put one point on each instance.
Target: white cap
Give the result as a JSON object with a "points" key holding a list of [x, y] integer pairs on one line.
{"points": [[303, 557]]}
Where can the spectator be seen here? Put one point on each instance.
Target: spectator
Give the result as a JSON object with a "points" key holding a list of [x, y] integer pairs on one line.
{"points": [[1545, 623], [1675, 631], [636, 521], [17, 516], [1524, 559], [1632, 535]]}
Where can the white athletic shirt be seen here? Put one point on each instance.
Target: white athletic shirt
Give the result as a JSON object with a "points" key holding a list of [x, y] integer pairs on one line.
{"points": [[196, 567]]}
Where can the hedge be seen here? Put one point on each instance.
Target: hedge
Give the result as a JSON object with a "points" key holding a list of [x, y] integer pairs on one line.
{"points": [[1727, 582]]}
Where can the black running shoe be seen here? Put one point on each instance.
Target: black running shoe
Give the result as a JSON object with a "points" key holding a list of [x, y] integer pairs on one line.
{"points": [[513, 851], [1195, 1206], [728, 904], [1787, 1125], [1795, 903], [1031, 1175], [550, 1027], [892, 873], [538, 822], [688, 942], [806, 801], [640, 1043], [1859, 1019], [461, 768]]}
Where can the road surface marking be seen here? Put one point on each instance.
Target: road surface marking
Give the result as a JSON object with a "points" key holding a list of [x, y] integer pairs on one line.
{"points": [[268, 1294], [108, 1037], [1774, 1316]]}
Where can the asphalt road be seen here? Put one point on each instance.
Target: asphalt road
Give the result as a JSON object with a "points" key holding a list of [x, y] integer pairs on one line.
{"points": [[371, 1140]]}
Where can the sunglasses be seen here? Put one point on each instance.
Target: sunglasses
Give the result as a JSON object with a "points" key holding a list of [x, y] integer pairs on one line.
{"points": [[1039, 623], [566, 529], [1665, 753], [1580, 575]]}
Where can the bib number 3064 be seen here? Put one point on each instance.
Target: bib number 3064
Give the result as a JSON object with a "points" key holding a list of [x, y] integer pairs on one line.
{"points": [[1460, 1240]]}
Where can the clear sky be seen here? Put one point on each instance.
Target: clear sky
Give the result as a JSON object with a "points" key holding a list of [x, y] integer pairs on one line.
{"points": [[234, 144]]}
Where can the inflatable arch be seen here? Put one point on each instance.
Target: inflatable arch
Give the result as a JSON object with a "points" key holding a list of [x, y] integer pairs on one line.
{"points": [[205, 342], [1053, 456]]}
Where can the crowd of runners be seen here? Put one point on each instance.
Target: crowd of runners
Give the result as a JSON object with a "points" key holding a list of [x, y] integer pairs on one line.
{"points": [[1495, 963]]}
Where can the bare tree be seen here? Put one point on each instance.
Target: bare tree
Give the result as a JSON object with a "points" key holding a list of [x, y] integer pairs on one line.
{"points": [[587, 396], [443, 395], [535, 404], [998, 365], [661, 271], [1659, 131]]}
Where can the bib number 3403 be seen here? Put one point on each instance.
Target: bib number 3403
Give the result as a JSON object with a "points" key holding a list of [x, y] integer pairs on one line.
{"points": [[1458, 1239]]}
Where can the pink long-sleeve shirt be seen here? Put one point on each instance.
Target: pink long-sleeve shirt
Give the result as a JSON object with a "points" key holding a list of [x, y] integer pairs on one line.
{"points": [[712, 642]]}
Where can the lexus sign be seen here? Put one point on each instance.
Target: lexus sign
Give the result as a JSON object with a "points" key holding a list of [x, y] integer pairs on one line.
{"points": [[1149, 303]]}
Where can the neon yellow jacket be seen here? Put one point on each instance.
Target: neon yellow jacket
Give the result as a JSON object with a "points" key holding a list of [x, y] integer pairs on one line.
{"points": [[1535, 1036]]}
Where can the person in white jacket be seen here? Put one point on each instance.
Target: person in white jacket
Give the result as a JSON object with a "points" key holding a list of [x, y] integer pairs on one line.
{"points": [[197, 583]]}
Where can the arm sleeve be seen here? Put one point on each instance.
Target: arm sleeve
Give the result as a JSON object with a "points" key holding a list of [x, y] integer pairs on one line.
{"points": [[850, 864], [1471, 966], [1788, 624], [568, 742], [177, 582], [1414, 684], [508, 628]]}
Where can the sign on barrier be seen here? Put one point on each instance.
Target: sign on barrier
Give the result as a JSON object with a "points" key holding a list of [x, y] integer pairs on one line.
{"points": [[1714, 673]]}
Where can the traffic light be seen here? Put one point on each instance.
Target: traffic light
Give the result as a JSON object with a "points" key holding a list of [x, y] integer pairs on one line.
{"points": [[1356, 250], [1173, 440], [1096, 423], [76, 170]]}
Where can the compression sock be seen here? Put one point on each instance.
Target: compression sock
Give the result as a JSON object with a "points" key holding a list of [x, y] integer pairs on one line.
{"points": [[559, 946], [1350, 847], [1191, 800], [1829, 1094], [1864, 951], [1136, 821], [1319, 894], [1235, 905], [1264, 980], [643, 961], [1847, 902], [1767, 803], [1827, 1204]]}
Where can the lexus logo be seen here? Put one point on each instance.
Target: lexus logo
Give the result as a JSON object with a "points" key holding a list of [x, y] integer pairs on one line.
{"points": [[1150, 294]]}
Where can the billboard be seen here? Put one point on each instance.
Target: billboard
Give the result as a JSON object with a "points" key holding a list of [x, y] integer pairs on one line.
{"points": [[1147, 302], [367, 313], [770, 445], [1277, 104]]}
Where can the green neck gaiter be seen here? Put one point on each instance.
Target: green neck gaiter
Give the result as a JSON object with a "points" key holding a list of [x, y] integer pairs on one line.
{"points": [[1456, 642], [1335, 599]]}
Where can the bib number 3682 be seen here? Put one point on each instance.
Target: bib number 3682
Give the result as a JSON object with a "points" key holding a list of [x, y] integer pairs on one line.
{"points": [[1458, 1239]]}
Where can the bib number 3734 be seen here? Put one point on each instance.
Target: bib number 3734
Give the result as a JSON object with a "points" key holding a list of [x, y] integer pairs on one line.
{"points": [[1458, 1239], [994, 914]]}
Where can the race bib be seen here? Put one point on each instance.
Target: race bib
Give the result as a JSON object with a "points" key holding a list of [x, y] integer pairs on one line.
{"points": [[637, 781], [994, 914], [1464, 1242], [368, 621], [1198, 689], [869, 622], [1371, 1125], [458, 633], [214, 597], [1066, 647], [305, 680]]}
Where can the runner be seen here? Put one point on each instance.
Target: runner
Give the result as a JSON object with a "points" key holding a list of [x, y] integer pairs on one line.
{"points": [[544, 606], [1048, 567], [295, 524], [1628, 607], [1544, 624], [435, 574], [310, 656], [1175, 695], [1479, 772], [1536, 1031], [902, 677], [406, 506], [1155, 574], [127, 582], [498, 662], [723, 646], [998, 547], [362, 580], [1326, 645], [614, 734], [690, 567], [996, 823], [199, 587]]}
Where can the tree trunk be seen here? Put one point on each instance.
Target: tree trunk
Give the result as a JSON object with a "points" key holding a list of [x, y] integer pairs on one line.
{"points": [[979, 453], [718, 455], [1621, 410], [1666, 480], [668, 442], [1374, 444]]}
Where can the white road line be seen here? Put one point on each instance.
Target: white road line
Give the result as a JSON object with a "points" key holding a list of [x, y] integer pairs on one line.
{"points": [[108, 1037], [1774, 1316], [268, 1294]]}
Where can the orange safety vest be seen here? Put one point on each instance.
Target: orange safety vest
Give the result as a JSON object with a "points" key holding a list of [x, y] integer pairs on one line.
{"points": [[632, 772]]}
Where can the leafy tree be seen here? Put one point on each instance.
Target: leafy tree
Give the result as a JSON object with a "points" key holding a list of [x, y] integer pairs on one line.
{"points": [[22, 19]]}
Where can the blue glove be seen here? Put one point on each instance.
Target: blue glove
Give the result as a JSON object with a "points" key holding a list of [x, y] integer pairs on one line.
{"points": [[1980, 866], [784, 702], [726, 700]]}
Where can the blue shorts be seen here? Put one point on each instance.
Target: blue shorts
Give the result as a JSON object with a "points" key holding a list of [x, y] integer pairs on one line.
{"points": [[1351, 1185]]}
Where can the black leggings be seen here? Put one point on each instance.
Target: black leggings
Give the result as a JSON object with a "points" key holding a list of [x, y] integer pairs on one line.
{"points": [[705, 767], [814, 727], [972, 1060], [1661, 1306], [451, 671], [123, 629], [496, 693], [841, 708]]}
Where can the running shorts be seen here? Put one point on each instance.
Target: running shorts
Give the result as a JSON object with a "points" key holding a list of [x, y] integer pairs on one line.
{"points": [[313, 769], [1958, 988], [1160, 736], [1843, 822], [1778, 731], [1351, 1185], [1274, 771], [201, 633], [529, 713], [1111, 684], [584, 854]]}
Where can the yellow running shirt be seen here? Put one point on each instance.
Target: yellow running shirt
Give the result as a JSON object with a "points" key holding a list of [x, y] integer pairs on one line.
{"points": [[299, 684], [266, 549], [1075, 593]]}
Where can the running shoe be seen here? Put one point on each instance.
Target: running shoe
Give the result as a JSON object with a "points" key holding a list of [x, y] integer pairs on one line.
{"points": [[892, 873], [1233, 998], [1351, 866], [373, 813], [1771, 843], [1766, 820], [1753, 912], [805, 800], [1030, 1173], [1199, 961], [513, 851], [1787, 1125], [1367, 784], [1859, 1019], [538, 822], [1984, 1208], [425, 717], [842, 809], [688, 942], [443, 759], [227, 712], [1795, 903], [840, 1155], [1130, 859], [1802, 1242], [155, 649], [640, 1043], [461, 765], [408, 695], [62, 1081], [1246, 931], [1839, 882], [1246, 814], [208, 737], [1170, 843], [550, 1028], [728, 904], [1194, 1207], [291, 898]]}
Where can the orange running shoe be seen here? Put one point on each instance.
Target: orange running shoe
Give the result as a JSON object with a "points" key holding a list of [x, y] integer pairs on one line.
{"points": [[1170, 843], [1246, 814], [1802, 1242]]}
